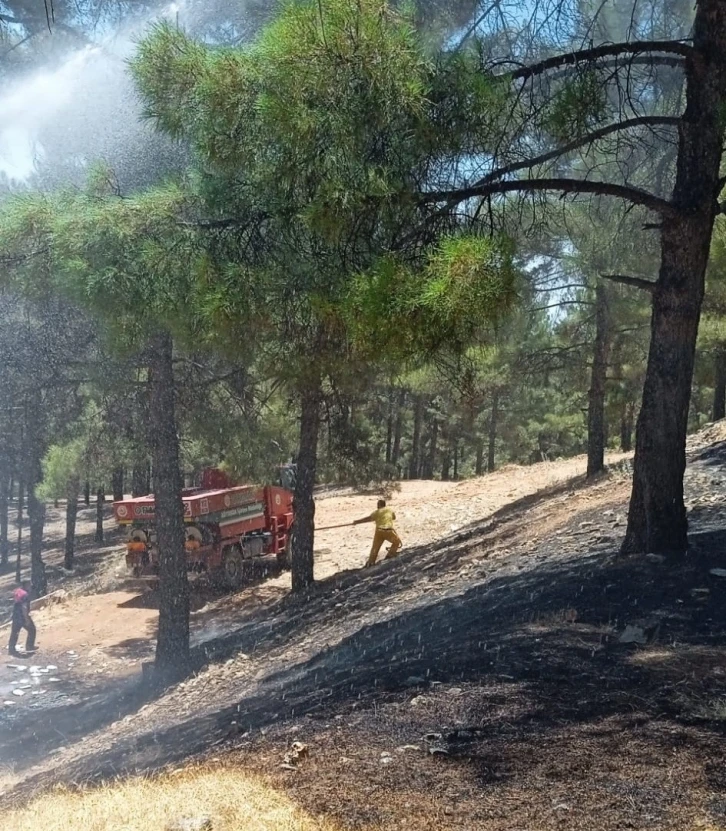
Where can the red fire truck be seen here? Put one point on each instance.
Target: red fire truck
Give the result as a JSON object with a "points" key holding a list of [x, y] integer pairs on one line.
{"points": [[225, 526]]}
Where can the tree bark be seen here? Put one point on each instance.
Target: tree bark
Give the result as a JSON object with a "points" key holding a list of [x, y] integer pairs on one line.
{"points": [[32, 454], [172, 647], [446, 464], [430, 465], [455, 455], [100, 499], [140, 479], [36, 520], [19, 520], [398, 428], [626, 427], [492, 438], [4, 504], [87, 494], [719, 387], [657, 516], [479, 467], [596, 439], [72, 493], [389, 427], [303, 566], [414, 462], [117, 484]]}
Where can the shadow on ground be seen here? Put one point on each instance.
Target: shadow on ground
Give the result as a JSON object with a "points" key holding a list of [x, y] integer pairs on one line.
{"points": [[551, 631]]}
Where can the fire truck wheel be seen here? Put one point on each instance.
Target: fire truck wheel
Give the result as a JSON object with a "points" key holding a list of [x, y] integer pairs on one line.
{"points": [[233, 567]]}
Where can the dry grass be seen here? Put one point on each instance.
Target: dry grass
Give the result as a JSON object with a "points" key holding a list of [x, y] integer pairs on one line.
{"points": [[230, 798]]}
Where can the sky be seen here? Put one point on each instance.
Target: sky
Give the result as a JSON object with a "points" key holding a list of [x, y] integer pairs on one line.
{"points": [[47, 95]]}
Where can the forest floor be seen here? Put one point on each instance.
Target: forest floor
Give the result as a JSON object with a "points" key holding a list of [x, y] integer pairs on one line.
{"points": [[507, 671]]}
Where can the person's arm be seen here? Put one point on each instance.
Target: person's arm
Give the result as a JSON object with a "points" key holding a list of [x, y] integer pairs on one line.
{"points": [[370, 518], [393, 514], [26, 613]]}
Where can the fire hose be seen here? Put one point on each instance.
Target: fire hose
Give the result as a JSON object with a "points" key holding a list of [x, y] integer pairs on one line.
{"points": [[330, 527]]}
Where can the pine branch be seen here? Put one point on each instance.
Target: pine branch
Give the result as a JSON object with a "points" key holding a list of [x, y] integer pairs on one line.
{"points": [[474, 26], [627, 280], [558, 303], [232, 222], [575, 144], [564, 185], [606, 50], [21, 258], [673, 61], [17, 45]]}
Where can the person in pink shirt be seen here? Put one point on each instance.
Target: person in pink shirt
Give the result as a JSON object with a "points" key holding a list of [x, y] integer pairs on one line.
{"points": [[21, 620]]}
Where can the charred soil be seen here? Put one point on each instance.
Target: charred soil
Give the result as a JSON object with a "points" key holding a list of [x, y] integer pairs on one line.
{"points": [[513, 674]]}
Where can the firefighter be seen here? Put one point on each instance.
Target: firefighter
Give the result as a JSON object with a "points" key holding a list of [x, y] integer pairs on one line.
{"points": [[385, 532], [21, 620]]}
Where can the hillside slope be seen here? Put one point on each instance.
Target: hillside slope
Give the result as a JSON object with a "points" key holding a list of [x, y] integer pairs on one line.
{"points": [[480, 681]]}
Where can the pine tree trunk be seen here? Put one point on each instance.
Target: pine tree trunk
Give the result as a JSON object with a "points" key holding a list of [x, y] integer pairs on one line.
{"points": [[446, 464], [389, 428], [430, 465], [389, 438], [4, 504], [87, 494], [492, 439], [36, 521], [19, 520], [598, 378], [72, 493], [36, 509], [117, 484], [455, 455], [626, 427], [479, 468], [303, 566], [414, 462], [719, 387], [172, 647], [100, 499], [657, 516], [398, 429], [140, 479]]}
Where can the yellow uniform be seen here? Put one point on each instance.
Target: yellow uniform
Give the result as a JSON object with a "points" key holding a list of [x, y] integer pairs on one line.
{"points": [[385, 532], [383, 518]]}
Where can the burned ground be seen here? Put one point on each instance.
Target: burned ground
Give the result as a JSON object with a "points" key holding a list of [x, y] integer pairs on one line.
{"points": [[499, 649]]}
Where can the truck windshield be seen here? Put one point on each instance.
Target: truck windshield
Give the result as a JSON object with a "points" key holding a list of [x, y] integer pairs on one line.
{"points": [[288, 477]]}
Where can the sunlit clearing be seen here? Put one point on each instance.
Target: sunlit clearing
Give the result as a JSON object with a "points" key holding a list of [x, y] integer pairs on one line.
{"points": [[229, 798]]}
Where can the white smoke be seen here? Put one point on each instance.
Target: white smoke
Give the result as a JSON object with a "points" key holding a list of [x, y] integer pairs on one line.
{"points": [[88, 98]]}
